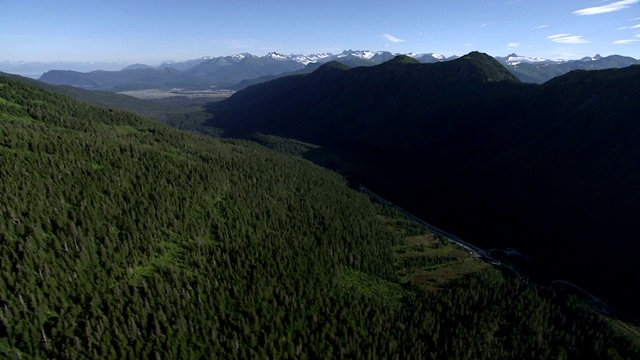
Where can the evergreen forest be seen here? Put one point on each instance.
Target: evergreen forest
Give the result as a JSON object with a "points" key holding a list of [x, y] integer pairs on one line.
{"points": [[122, 238]]}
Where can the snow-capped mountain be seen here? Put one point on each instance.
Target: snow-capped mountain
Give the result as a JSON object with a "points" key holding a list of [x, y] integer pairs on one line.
{"points": [[237, 57], [277, 56], [514, 59], [360, 57], [431, 57], [363, 54], [307, 59]]}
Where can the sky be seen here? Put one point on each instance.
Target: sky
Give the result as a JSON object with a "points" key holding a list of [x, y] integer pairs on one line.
{"points": [[150, 32]]}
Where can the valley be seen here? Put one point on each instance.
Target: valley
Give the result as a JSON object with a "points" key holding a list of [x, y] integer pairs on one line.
{"points": [[126, 238], [320, 180], [152, 94]]}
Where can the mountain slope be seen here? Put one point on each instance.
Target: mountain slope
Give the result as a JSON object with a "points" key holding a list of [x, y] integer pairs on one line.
{"points": [[126, 239], [157, 111], [103, 213], [501, 163]]}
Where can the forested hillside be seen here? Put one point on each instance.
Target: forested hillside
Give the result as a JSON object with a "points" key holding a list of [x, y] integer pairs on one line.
{"points": [[122, 238]]}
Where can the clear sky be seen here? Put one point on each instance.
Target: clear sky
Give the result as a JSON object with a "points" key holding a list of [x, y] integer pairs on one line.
{"points": [[150, 32]]}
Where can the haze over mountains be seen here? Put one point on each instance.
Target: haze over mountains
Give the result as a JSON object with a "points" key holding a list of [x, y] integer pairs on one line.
{"points": [[35, 70], [230, 71]]}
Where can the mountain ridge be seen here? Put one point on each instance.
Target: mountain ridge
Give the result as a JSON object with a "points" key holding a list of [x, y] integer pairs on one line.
{"points": [[231, 71]]}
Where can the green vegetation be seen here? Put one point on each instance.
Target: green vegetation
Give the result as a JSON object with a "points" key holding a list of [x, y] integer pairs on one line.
{"points": [[285, 146], [387, 292], [121, 238], [430, 262]]}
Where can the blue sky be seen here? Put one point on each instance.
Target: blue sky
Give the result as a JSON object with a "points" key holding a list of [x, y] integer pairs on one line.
{"points": [[149, 31]]}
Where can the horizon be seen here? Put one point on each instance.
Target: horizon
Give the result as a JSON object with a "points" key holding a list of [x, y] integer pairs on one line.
{"points": [[205, 56], [35, 70], [152, 32]]}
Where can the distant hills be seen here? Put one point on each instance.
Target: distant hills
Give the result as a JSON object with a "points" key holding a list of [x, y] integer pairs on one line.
{"points": [[35, 69], [127, 79], [241, 70], [539, 70], [549, 169], [203, 73]]}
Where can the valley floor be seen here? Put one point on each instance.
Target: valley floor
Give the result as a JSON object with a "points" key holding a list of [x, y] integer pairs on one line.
{"points": [[151, 94]]}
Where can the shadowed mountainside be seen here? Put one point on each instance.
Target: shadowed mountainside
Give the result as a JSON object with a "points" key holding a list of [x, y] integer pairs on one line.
{"points": [[550, 169]]}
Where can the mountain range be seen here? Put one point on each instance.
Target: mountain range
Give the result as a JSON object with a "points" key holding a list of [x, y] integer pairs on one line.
{"points": [[241, 70], [549, 169], [540, 70]]}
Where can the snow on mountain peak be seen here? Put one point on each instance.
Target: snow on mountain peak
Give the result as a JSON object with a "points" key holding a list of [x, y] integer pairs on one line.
{"points": [[307, 59], [363, 54], [366, 54], [514, 59], [277, 56], [241, 56]]}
